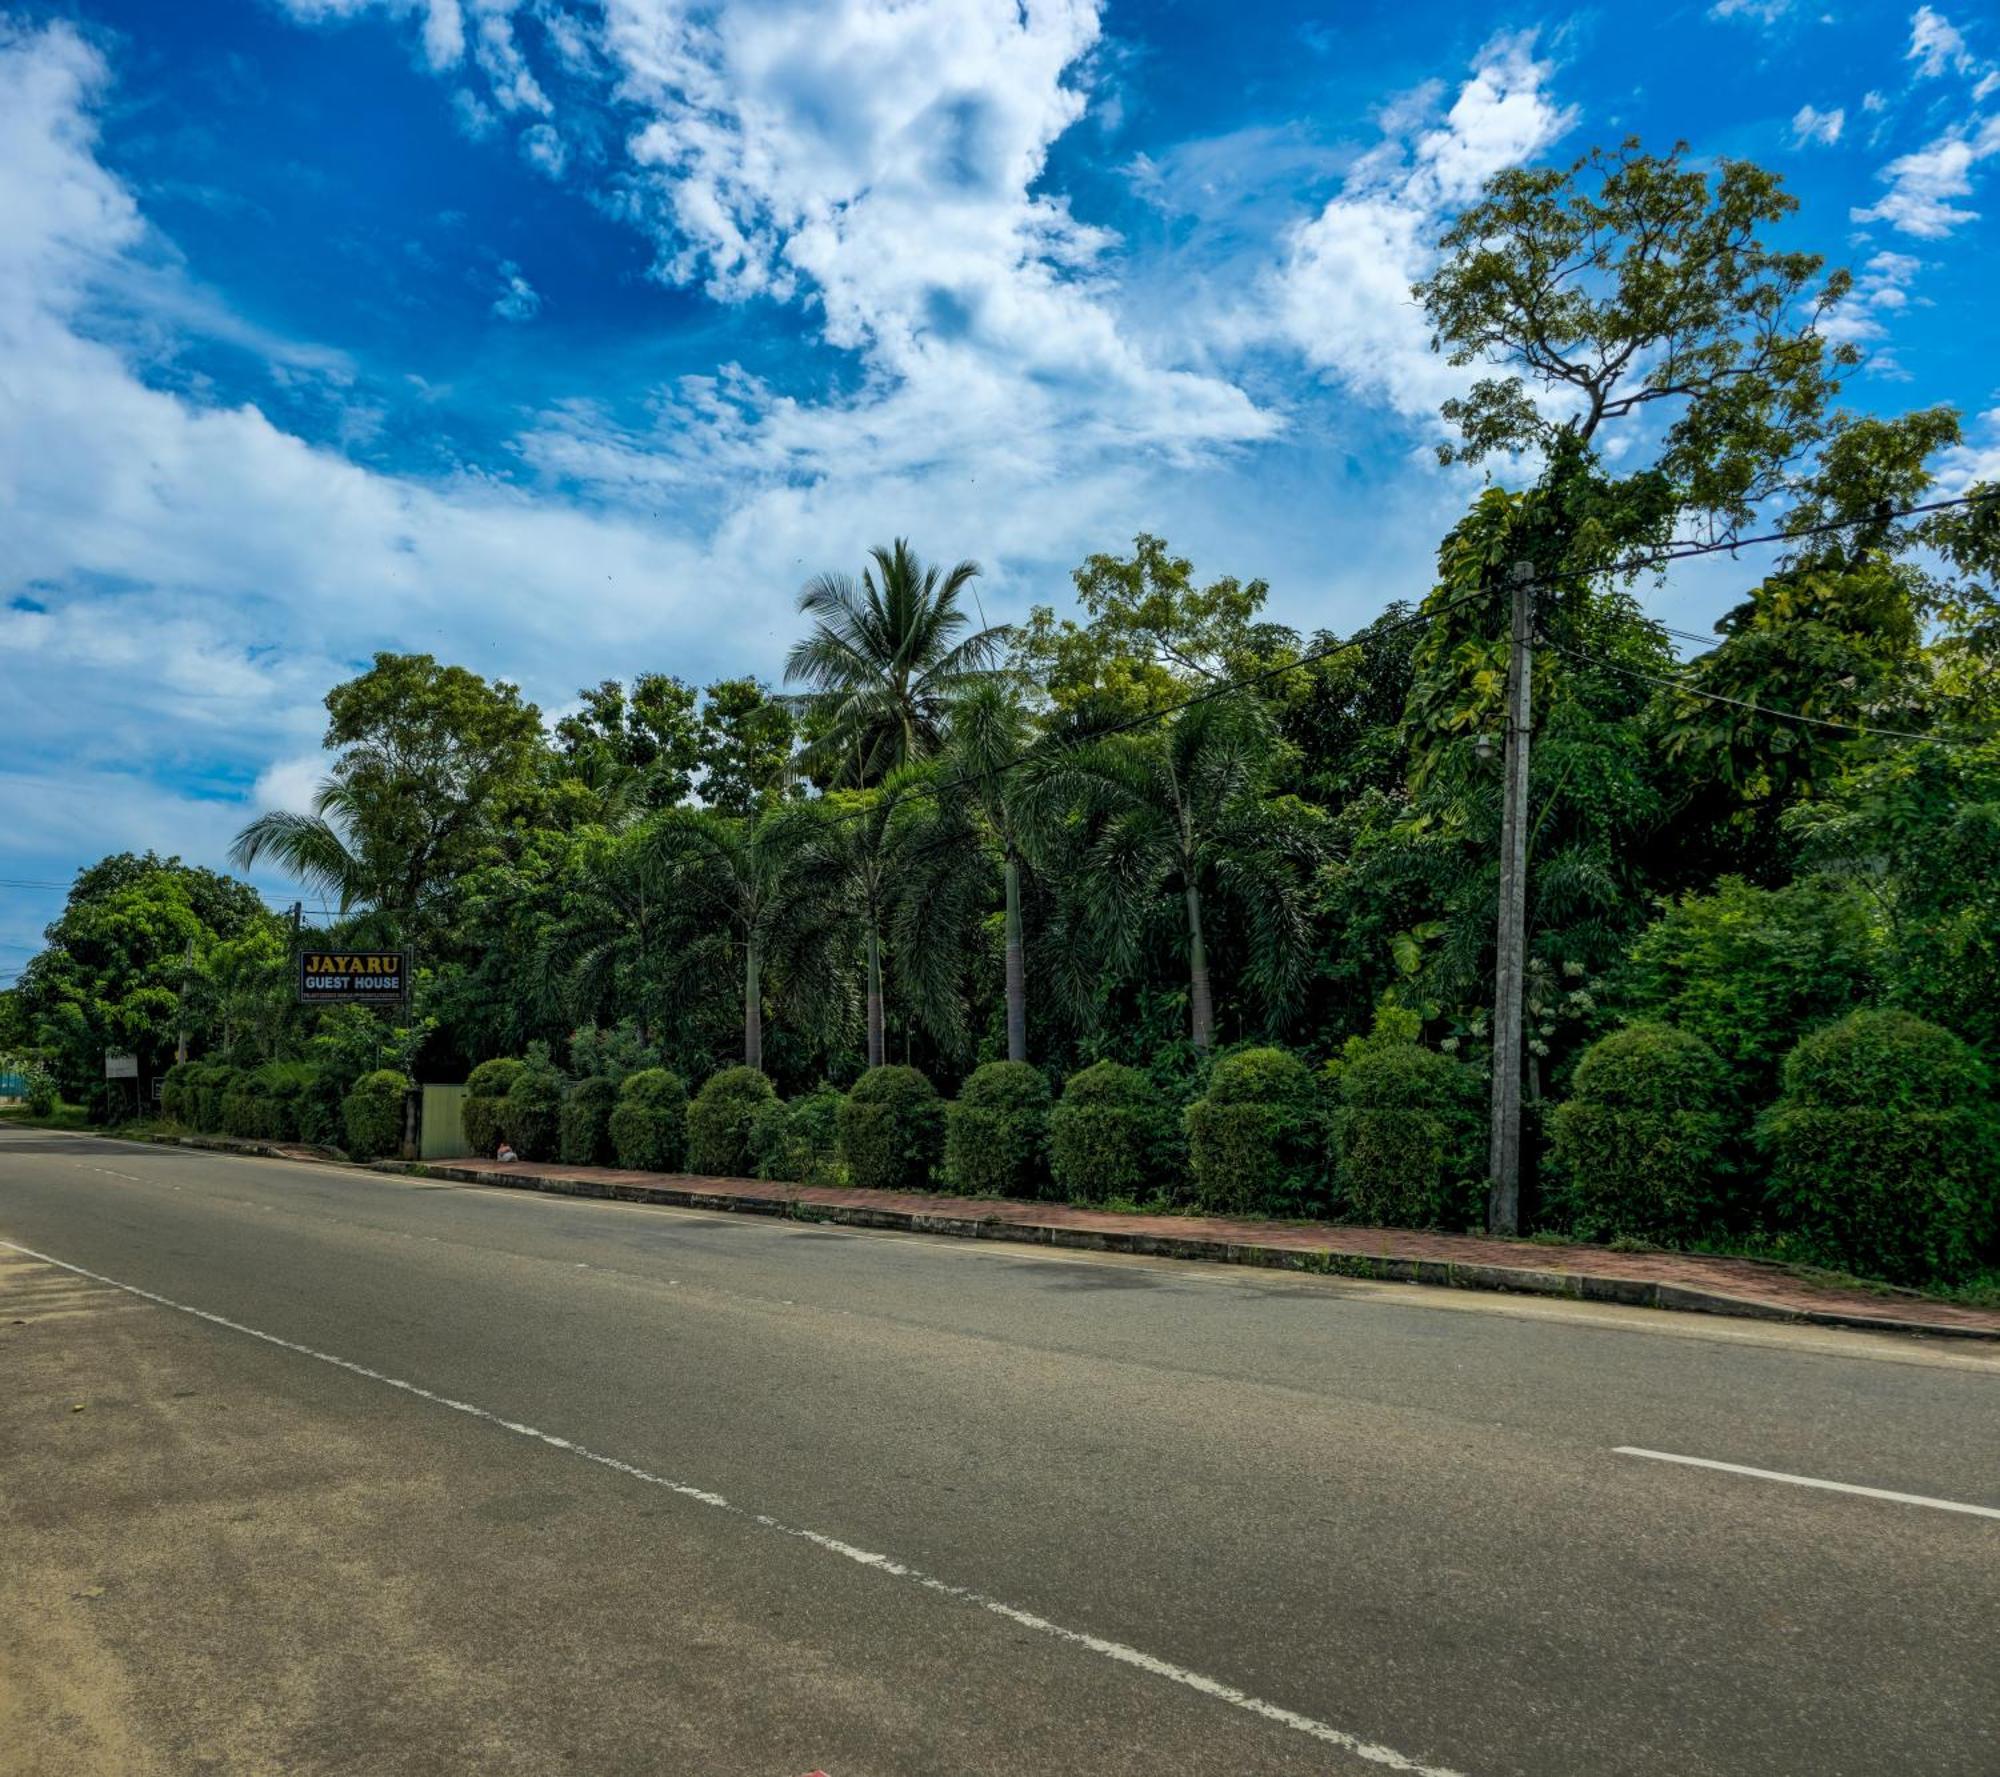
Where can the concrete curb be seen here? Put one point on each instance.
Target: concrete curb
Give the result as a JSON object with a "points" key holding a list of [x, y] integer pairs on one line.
{"points": [[1577, 1285]]}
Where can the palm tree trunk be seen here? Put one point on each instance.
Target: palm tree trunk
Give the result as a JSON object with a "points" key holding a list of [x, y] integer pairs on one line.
{"points": [[1017, 973], [1204, 1007], [753, 1007], [875, 1055]]}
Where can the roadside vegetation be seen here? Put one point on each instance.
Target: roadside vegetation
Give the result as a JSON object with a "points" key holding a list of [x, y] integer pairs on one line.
{"points": [[1152, 900]]}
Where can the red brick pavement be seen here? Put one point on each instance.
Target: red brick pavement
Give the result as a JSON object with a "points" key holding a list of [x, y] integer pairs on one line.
{"points": [[1668, 1280]]}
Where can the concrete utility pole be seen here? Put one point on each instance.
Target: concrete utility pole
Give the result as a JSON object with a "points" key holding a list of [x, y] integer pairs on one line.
{"points": [[1503, 1207]]}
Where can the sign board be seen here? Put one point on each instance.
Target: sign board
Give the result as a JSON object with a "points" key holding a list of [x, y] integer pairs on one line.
{"points": [[353, 977], [120, 1067]]}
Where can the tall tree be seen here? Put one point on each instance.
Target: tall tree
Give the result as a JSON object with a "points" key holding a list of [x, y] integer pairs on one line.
{"points": [[888, 653], [745, 748]]}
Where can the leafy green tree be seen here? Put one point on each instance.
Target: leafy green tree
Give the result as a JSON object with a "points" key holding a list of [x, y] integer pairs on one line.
{"points": [[887, 654], [428, 761], [871, 836], [638, 748], [1186, 813], [745, 748]]}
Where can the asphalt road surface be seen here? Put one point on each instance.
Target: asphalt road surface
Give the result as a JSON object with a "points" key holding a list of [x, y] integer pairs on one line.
{"points": [[312, 1470]]}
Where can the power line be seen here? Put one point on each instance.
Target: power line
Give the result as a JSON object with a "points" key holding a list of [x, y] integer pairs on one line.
{"points": [[1762, 709]]}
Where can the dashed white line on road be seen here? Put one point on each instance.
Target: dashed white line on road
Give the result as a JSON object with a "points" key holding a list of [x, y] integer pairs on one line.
{"points": [[1771, 1474], [1367, 1750]]}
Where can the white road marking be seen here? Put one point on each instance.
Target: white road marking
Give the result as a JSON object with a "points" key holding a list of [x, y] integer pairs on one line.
{"points": [[1769, 1474], [1368, 1750]]}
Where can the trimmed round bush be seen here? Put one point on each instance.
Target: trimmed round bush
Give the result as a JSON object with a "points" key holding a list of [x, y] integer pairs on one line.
{"points": [[1110, 1135], [246, 1107], [1640, 1148], [532, 1117], [649, 1122], [1256, 1139], [891, 1129], [719, 1121], [481, 1112], [1883, 1149], [373, 1113], [996, 1134], [586, 1123], [1409, 1139], [800, 1141]]}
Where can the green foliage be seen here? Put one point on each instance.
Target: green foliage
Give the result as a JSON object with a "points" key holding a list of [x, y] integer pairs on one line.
{"points": [[586, 1122], [531, 1119], [610, 1053], [373, 1114], [891, 1129], [997, 1132], [482, 1112], [177, 1092], [1640, 1149], [1749, 969], [745, 748], [1884, 1152], [1111, 1134], [799, 1141], [247, 1110], [1408, 1135], [649, 1123], [1256, 1141], [719, 1121], [211, 1092], [42, 1097]]}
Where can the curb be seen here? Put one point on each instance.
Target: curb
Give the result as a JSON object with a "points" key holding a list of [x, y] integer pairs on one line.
{"points": [[1583, 1286]]}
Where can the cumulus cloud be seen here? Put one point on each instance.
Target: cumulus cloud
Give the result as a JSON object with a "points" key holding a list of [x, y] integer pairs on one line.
{"points": [[1936, 44], [1810, 124], [1343, 296], [1922, 185], [1881, 292]]}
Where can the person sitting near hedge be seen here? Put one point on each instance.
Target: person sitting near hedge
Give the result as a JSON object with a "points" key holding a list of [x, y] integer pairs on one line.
{"points": [[504, 1151]]}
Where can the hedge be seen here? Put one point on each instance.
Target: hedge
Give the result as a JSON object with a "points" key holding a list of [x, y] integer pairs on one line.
{"points": [[1111, 1134], [177, 1092], [800, 1141], [373, 1113], [481, 1114], [1640, 1148], [891, 1129], [585, 1138], [996, 1137], [1409, 1138], [1256, 1139], [649, 1121], [719, 1121], [531, 1119], [1883, 1150]]}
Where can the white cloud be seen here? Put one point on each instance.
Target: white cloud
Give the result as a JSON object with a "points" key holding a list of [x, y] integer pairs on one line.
{"points": [[518, 300], [1343, 295], [1977, 460], [442, 22], [1936, 44], [1923, 184], [545, 150], [1881, 292], [1810, 124], [1873, 101], [1762, 12]]}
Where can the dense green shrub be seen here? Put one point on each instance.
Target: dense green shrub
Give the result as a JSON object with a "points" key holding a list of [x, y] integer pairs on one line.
{"points": [[800, 1141], [649, 1121], [1641, 1146], [247, 1110], [532, 1118], [1409, 1137], [289, 1087], [586, 1122], [997, 1132], [373, 1113], [1111, 1134], [719, 1121], [1883, 1149], [1257, 1139], [177, 1092], [318, 1109], [209, 1093], [42, 1097], [481, 1112], [891, 1129]]}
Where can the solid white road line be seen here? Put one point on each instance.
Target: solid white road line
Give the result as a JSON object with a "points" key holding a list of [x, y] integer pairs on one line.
{"points": [[1769, 1474], [1367, 1750]]}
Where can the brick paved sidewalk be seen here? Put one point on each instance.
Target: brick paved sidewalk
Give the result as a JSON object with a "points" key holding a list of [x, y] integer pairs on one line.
{"points": [[1747, 1287]]}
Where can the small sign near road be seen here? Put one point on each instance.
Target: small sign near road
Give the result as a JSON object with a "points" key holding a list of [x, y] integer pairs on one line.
{"points": [[353, 977], [119, 1066]]}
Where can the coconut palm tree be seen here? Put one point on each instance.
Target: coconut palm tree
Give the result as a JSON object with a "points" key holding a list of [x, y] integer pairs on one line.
{"points": [[871, 834], [774, 884], [1186, 811], [886, 655]]}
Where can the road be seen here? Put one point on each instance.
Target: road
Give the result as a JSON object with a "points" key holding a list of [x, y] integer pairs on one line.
{"points": [[314, 1470]]}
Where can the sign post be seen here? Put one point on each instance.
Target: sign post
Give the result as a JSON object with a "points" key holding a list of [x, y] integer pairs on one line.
{"points": [[329, 977]]}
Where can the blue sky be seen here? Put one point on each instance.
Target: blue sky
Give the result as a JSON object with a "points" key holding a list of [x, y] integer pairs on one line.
{"points": [[566, 339]]}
